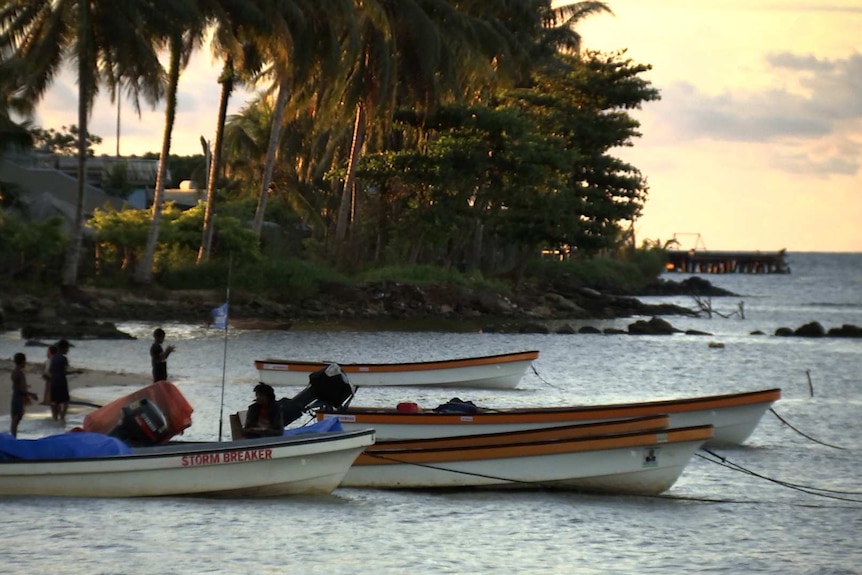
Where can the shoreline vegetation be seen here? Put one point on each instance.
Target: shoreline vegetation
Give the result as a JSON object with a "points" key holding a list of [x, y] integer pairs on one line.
{"points": [[561, 305], [91, 312]]}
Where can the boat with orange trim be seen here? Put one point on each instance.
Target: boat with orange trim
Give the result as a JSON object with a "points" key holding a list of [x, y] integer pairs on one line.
{"points": [[635, 424], [637, 462], [734, 417], [502, 371]]}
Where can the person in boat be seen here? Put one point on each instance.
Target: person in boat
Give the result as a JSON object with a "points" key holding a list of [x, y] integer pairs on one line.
{"points": [[159, 355], [264, 416], [21, 394]]}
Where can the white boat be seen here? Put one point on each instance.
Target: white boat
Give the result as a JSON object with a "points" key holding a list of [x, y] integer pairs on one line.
{"points": [[733, 416], [640, 462], [502, 371], [313, 463]]}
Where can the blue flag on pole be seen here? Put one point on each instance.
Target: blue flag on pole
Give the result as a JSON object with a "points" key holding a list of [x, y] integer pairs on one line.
{"points": [[220, 316]]}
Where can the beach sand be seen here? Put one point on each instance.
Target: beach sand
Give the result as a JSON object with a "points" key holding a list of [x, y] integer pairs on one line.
{"points": [[89, 378]]}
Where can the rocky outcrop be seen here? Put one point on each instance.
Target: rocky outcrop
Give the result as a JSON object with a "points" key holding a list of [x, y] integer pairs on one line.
{"points": [[93, 313], [655, 326], [846, 330], [693, 286], [79, 329], [815, 329]]}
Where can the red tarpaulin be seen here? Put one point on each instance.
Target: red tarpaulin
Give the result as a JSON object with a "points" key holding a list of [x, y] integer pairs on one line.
{"points": [[164, 394]]}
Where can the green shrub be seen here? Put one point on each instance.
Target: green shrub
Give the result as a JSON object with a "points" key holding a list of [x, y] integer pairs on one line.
{"points": [[617, 274], [424, 274], [288, 281]]}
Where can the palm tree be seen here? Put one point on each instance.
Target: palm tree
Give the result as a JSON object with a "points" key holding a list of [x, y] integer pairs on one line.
{"points": [[306, 49], [415, 53], [107, 40], [12, 134], [184, 36], [238, 26]]}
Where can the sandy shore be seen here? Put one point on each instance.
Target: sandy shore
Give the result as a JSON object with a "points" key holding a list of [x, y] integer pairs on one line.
{"points": [[89, 378]]}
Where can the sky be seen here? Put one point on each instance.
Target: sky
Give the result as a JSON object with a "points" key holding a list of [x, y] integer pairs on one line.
{"points": [[756, 143]]}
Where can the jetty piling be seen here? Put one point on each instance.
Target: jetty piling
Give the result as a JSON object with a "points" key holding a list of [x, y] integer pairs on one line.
{"points": [[725, 262]]}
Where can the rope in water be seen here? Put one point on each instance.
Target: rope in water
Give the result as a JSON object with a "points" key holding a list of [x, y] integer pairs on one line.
{"points": [[542, 379], [808, 489], [438, 468], [784, 421], [725, 463]]}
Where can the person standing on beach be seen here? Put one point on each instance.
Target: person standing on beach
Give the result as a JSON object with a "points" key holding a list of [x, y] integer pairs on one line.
{"points": [[159, 355], [46, 375], [21, 394], [59, 369]]}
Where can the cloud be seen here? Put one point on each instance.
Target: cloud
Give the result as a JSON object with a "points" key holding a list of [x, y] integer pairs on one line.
{"points": [[801, 163], [813, 120]]}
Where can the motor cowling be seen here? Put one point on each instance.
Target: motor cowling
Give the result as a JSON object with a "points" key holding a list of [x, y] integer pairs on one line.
{"points": [[142, 423], [327, 388]]}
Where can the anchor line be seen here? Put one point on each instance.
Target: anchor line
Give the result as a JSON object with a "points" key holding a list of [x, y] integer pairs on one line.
{"points": [[542, 379], [658, 496], [438, 468], [673, 497], [785, 422], [808, 489]]}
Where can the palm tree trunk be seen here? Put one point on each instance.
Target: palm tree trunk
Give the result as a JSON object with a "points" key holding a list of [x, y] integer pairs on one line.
{"points": [[144, 271], [85, 86], [348, 194], [215, 164], [284, 89]]}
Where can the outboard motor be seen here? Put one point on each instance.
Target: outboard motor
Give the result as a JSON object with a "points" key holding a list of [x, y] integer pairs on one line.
{"points": [[328, 387], [142, 423]]}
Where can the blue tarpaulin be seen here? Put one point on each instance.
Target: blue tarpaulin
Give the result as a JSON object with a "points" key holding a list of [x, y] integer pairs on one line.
{"points": [[328, 424], [65, 446]]}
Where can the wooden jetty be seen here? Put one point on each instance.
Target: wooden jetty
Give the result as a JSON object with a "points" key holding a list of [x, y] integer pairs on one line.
{"points": [[723, 262]]}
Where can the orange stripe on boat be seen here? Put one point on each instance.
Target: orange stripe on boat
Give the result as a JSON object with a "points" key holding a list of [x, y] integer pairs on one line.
{"points": [[555, 414], [639, 424], [625, 441], [308, 366]]}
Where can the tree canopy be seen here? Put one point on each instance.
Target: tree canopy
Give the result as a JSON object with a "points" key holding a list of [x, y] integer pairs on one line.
{"points": [[469, 135]]}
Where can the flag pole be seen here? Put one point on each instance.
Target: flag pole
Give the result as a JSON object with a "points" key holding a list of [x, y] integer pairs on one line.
{"points": [[224, 351]]}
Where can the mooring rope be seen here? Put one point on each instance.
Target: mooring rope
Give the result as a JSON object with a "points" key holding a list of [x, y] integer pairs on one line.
{"points": [[438, 468], [784, 421], [543, 380], [808, 489], [720, 461]]}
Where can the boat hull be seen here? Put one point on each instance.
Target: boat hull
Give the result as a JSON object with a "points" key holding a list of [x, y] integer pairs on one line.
{"points": [[488, 372], [734, 417], [641, 463], [313, 464]]}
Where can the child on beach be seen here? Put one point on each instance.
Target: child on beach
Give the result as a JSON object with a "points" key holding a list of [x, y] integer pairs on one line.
{"points": [[59, 369], [21, 394], [46, 375], [159, 355]]}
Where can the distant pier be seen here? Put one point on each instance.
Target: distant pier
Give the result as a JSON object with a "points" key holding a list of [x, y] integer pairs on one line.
{"points": [[721, 262]]}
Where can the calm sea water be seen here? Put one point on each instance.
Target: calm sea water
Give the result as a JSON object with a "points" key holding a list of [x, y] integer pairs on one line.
{"points": [[781, 504]]}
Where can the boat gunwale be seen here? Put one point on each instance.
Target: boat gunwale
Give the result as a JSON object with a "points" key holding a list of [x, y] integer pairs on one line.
{"points": [[478, 361], [660, 422], [636, 439], [372, 415], [197, 447]]}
